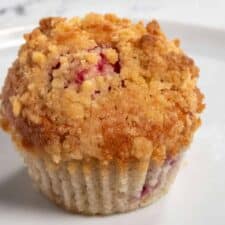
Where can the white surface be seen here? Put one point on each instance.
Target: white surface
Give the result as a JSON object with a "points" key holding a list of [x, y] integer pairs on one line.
{"points": [[198, 195], [26, 12]]}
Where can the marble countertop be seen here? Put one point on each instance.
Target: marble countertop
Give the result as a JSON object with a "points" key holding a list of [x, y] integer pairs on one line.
{"points": [[14, 13]]}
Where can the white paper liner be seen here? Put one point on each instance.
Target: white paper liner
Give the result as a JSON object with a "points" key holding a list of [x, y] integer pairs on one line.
{"points": [[94, 188]]}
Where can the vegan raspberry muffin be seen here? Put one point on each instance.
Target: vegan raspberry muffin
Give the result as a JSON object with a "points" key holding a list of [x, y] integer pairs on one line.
{"points": [[102, 110]]}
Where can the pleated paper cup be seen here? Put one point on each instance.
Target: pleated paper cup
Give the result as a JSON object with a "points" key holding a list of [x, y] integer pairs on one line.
{"points": [[93, 187]]}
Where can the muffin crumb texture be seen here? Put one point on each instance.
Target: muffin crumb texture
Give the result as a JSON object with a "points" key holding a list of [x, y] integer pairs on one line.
{"points": [[102, 88]]}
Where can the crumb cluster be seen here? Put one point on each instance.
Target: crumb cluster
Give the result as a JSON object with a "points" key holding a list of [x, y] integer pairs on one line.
{"points": [[101, 87]]}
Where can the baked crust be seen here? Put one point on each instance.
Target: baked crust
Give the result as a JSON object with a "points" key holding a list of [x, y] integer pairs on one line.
{"points": [[101, 87]]}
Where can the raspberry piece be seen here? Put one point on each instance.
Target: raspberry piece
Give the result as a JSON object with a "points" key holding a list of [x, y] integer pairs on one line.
{"points": [[145, 190], [80, 76], [102, 63], [102, 68]]}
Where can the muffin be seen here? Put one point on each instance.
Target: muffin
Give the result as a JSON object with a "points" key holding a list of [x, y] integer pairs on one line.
{"points": [[102, 111]]}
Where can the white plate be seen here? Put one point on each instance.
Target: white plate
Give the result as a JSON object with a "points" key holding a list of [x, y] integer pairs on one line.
{"points": [[198, 195]]}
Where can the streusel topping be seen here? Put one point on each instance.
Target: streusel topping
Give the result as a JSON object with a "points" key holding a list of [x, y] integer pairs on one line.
{"points": [[101, 87]]}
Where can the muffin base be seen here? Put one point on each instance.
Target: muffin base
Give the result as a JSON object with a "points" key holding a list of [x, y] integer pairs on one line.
{"points": [[92, 187]]}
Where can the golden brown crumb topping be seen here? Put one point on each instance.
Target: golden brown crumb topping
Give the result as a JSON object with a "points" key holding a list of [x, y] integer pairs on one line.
{"points": [[101, 87]]}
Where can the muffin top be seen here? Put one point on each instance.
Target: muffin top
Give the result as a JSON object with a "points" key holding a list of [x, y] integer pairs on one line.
{"points": [[101, 87]]}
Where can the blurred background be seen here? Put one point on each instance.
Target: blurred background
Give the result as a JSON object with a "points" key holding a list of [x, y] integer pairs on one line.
{"points": [[27, 12]]}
